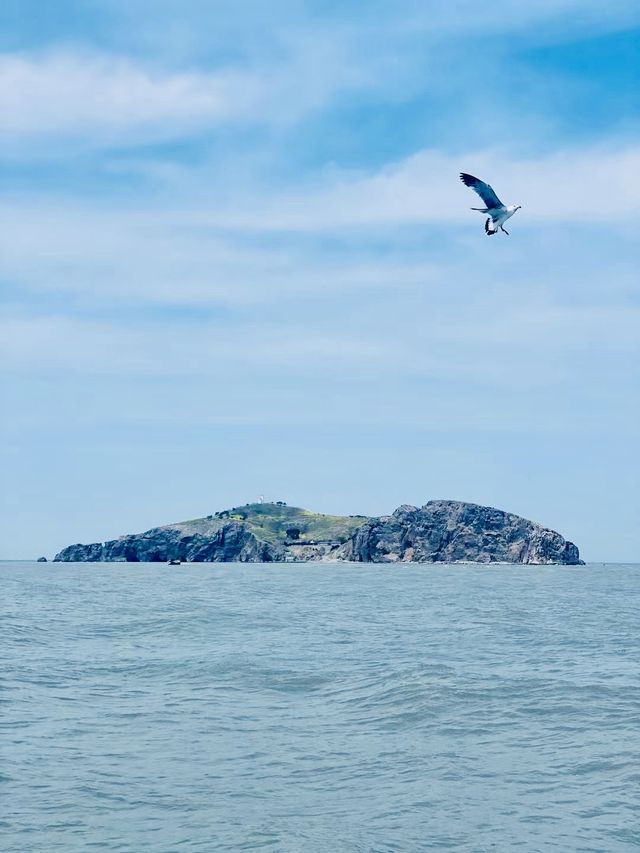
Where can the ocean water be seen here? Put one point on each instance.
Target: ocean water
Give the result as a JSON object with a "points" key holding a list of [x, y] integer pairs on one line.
{"points": [[319, 707]]}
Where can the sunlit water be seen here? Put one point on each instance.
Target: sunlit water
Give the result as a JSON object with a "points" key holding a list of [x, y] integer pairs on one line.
{"points": [[319, 708]]}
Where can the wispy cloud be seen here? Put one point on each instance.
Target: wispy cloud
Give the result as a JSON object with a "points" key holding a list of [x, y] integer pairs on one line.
{"points": [[256, 250], [574, 184], [544, 19], [114, 99], [108, 100]]}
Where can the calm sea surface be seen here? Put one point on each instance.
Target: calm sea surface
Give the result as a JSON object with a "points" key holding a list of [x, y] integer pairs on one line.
{"points": [[319, 708]]}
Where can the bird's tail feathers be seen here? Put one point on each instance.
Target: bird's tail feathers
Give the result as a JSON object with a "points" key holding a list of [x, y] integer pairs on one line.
{"points": [[481, 209]]}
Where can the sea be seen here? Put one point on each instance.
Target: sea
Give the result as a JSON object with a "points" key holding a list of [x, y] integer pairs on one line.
{"points": [[319, 707]]}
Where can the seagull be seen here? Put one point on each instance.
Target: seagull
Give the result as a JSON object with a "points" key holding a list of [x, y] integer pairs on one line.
{"points": [[498, 212]]}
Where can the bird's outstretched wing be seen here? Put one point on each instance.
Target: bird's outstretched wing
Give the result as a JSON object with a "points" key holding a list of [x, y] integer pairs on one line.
{"points": [[485, 192]]}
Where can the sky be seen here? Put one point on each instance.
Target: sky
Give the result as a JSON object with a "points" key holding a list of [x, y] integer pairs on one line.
{"points": [[236, 260]]}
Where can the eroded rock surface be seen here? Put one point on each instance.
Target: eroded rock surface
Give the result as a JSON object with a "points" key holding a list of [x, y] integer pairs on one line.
{"points": [[231, 542], [453, 531], [440, 531]]}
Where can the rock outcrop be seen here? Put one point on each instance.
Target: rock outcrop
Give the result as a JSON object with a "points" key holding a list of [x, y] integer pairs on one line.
{"points": [[439, 532], [452, 531], [231, 542]]}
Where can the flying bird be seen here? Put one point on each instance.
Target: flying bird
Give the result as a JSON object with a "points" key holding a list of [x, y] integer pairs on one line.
{"points": [[498, 212]]}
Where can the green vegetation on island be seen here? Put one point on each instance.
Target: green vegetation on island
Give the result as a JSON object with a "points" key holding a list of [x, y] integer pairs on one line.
{"points": [[439, 531]]}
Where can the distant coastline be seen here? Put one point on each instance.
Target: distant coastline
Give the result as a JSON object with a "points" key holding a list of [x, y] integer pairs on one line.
{"points": [[438, 532]]}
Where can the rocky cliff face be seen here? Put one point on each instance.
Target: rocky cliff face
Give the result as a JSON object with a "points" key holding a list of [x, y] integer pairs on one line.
{"points": [[440, 531], [451, 531], [231, 542]]}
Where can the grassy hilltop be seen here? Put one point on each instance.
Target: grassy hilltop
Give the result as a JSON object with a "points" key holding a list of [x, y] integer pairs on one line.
{"points": [[277, 522]]}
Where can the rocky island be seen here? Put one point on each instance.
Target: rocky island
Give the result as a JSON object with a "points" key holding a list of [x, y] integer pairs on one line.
{"points": [[438, 532]]}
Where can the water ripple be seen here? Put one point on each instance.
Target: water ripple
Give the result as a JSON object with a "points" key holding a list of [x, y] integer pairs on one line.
{"points": [[319, 707]]}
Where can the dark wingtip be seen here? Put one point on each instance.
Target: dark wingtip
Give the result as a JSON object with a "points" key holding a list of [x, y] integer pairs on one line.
{"points": [[466, 179]]}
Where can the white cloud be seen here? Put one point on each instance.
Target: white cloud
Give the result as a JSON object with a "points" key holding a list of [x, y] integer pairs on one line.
{"points": [[257, 28], [155, 256], [597, 184], [57, 344], [297, 65], [466, 16], [159, 254], [533, 344], [114, 98], [107, 100]]}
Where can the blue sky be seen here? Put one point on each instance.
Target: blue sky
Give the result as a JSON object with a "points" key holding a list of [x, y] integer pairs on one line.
{"points": [[236, 260]]}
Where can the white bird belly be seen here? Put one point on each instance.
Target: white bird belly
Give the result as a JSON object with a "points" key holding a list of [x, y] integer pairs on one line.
{"points": [[502, 216]]}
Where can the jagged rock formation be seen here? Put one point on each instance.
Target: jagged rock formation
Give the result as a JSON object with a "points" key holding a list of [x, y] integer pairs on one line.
{"points": [[231, 542], [440, 531], [452, 531]]}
